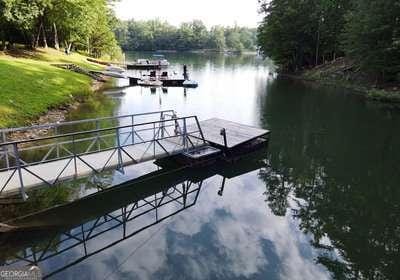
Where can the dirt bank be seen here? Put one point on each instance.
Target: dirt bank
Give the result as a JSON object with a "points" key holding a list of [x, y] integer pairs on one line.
{"points": [[347, 74]]}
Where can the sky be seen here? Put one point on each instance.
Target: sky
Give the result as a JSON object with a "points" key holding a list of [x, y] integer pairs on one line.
{"points": [[211, 12]]}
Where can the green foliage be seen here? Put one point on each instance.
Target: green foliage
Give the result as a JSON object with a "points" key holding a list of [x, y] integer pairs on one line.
{"points": [[74, 24], [299, 34], [217, 38], [234, 40], [372, 37], [157, 35], [303, 34], [23, 13]]}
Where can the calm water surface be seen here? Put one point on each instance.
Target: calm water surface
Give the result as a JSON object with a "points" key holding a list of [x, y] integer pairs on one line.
{"points": [[322, 202]]}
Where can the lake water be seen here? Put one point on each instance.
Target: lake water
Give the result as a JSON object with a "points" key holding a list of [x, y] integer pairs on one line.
{"points": [[322, 202]]}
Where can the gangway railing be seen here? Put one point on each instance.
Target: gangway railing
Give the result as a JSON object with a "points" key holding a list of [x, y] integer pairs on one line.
{"points": [[6, 134], [49, 160], [54, 129]]}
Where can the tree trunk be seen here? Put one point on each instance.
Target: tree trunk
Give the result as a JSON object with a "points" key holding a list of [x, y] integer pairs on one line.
{"points": [[317, 49], [36, 42], [317, 46], [56, 44], [69, 47], [33, 42], [3, 40], [44, 37]]}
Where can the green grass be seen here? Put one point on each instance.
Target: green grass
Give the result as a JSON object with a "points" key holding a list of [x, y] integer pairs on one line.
{"points": [[30, 85]]}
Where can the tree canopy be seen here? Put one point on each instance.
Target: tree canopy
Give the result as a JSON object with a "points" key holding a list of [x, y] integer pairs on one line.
{"points": [[158, 35], [372, 36], [79, 24], [302, 34]]}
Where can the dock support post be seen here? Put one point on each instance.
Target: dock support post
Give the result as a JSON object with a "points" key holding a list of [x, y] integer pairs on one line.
{"points": [[154, 140], [18, 166], [176, 130], [5, 150], [119, 150], [200, 130], [221, 190], [98, 136], [74, 154], [185, 145], [223, 134], [57, 144], [162, 124], [133, 129]]}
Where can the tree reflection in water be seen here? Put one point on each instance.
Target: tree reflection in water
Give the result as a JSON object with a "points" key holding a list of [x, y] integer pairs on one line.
{"points": [[335, 165]]}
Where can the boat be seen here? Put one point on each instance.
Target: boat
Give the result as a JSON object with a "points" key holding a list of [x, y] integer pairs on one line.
{"points": [[190, 84], [114, 74], [115, 69], [150, 83], [174, 81], [146, 64]]}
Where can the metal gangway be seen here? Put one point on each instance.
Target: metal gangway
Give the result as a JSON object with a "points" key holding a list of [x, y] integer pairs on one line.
{"points": [[80, 148]]}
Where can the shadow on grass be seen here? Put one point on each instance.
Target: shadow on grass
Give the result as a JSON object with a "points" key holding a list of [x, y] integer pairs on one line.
{"points": [[25, 53]]}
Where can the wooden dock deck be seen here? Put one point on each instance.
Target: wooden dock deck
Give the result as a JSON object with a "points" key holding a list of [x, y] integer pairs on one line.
{"points": [[236, 133]]}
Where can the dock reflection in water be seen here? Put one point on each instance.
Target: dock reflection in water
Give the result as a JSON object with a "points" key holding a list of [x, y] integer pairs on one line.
{"points": [[74, 232]]}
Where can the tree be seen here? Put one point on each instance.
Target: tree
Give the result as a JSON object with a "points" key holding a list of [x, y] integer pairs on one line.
{"points": [[86, 25], [372, 37], [157, 35], [233, 41], [24, 15], [201, 34], [287, 33], [298, 34], [217, 38]]}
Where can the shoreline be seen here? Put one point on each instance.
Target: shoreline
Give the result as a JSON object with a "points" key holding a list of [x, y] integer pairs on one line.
{"points": [[332, 74], [55, 115], [36, 86]]}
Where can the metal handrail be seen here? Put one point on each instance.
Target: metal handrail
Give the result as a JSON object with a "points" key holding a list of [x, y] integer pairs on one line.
{"points": [[57, 125], [91, 131], [155, 134], [81, 139], [90, 153]]}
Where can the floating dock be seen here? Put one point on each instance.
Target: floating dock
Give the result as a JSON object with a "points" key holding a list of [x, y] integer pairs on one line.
{"points": [[236, 134], [138, 66], [64, 156], [169, 82]]}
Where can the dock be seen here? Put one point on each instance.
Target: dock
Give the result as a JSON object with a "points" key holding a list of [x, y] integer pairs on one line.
{"points": [[166, 82], [138, 66], [47, 161], [120, 73], [236, 134]]}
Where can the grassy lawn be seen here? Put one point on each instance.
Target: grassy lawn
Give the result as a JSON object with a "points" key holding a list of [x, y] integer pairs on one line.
{"points": [[30, 85]]}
